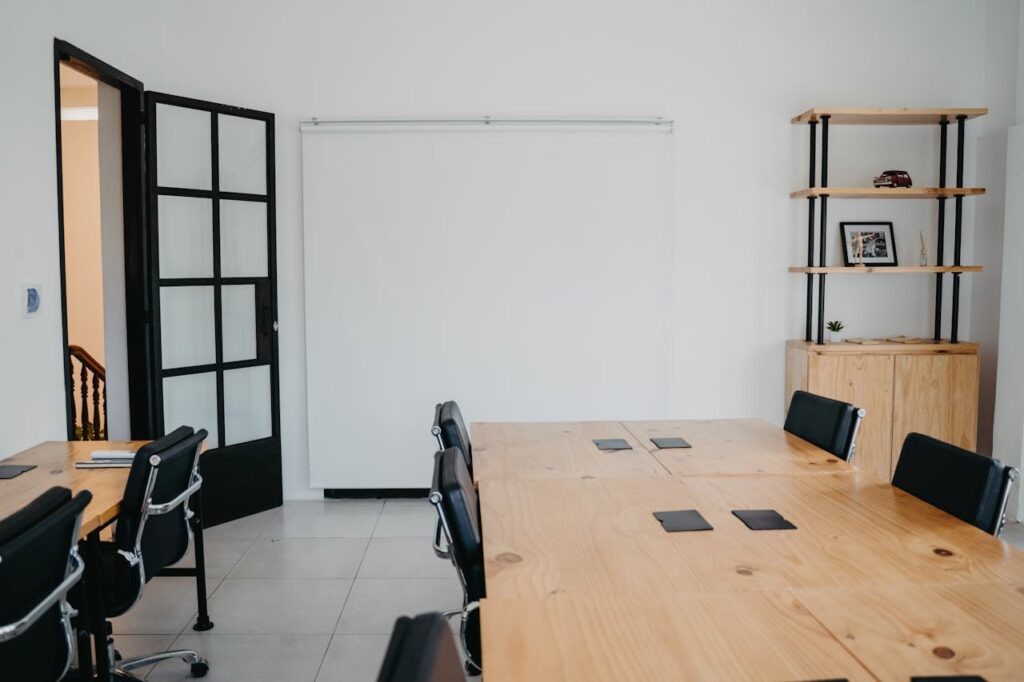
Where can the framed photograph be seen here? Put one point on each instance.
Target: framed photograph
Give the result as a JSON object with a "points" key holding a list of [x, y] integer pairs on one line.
{"points": [[868, 243]]}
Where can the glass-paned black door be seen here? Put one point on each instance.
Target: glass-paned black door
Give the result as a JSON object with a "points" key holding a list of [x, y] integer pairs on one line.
{"points": [[211, 212]]}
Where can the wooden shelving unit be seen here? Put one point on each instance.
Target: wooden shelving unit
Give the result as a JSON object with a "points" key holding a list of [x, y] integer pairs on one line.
{"points": [[884, 270], [821, 192], [887, 192]]}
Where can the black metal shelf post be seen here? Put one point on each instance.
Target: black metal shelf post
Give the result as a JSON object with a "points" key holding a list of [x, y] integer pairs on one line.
{"points": [[958, 209], [940, 234], [813, 125], [821, 230]]}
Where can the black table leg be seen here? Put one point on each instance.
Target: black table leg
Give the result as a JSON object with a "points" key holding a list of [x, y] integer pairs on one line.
{"points": [[84, 645], [97, 618], [203, 621]]}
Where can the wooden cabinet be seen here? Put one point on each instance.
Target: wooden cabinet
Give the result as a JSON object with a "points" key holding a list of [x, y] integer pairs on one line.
{"points": [[929, 388]]}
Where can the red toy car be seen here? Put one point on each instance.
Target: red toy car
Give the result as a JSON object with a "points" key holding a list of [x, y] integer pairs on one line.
{"points": [[893, 178]]}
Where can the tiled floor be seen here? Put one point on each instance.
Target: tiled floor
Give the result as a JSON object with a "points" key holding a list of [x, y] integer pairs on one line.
{"points": [[305, 593]]}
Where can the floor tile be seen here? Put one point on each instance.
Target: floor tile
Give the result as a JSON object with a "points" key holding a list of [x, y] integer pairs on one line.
{"points": [[1013, 533], [406, 519], [247, 606], [306, 558], [245, 528], [375, 604], [221, 556], [326, 519], [353, 658], [130, 646], [168, 606], [404, 558], [252, 658]]}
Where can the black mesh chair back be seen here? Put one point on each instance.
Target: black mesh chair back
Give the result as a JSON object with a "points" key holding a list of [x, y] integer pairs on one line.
{"points": [[153, 528], [830, 424], [134, 499], [421, 649], [39, 564], [967, 485], [458, 510], [451, 432]]}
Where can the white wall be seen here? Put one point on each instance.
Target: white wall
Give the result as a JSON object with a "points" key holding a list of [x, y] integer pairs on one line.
{"points": [[1008, 436], [83, 250], [115, 334], [730, 74]]}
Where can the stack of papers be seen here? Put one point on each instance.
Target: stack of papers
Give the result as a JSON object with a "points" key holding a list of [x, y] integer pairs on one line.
{"points": [[108, 459]]}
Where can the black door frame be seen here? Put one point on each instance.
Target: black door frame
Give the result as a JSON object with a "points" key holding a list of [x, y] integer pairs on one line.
{"points": [[246, 475], [137, 276]]}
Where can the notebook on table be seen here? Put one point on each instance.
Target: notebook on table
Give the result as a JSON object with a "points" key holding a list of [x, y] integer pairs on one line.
{"points": [[108, 459]]}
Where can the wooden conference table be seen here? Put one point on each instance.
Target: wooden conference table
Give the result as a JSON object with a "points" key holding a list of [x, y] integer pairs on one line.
{"points": [[55, 466], [584, 584]]}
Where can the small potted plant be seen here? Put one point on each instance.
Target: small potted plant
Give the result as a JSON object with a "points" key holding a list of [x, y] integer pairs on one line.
{"points": [[835, 327]]}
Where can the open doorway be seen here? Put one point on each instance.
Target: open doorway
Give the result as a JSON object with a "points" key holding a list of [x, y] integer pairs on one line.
{"points": [[90, 122], [103, 257]]}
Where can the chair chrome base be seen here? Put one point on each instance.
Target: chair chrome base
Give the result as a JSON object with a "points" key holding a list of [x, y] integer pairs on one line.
{"points": [[199, 665]]}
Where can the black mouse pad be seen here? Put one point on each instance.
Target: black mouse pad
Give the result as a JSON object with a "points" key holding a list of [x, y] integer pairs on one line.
{"points": [[763, 519], [670, 443], [612, 444], [14, 470], [682, 520]]}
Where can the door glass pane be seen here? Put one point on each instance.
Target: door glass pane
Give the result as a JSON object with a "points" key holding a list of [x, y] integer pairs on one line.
{"points": [[186, 237], [247, 404], [243, 238], [191, 400], [238, 306], [242, 146], [186, 326], [183, 147]]}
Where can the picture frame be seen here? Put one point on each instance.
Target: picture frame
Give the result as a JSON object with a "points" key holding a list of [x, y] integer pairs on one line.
{"points": [[877, 243]]}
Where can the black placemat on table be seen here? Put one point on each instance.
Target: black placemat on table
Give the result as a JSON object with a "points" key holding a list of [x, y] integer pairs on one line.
{"points": [[670, 443], [612, 444], [763, 519], [14, 470], [682, 520]]}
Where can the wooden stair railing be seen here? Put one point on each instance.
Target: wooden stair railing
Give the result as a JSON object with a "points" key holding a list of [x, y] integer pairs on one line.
{"points": [[89, 425]]}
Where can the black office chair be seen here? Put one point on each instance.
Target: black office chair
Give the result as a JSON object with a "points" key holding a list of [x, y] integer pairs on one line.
{"points": [[153, 532], [39, 564], [450, 431], [830, 424], [421, 649], [458, 511], [971, 487]]}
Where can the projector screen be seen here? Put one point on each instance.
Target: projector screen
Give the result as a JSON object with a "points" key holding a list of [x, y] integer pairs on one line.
{"points": [[522, 270]]}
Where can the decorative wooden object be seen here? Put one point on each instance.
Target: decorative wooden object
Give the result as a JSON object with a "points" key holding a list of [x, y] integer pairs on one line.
{"points": [[929, 387]]}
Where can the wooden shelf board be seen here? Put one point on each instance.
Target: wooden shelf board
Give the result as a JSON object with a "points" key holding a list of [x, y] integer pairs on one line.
{"points": [[854, 116], [884, 270], [885, 348], [887, 192]]}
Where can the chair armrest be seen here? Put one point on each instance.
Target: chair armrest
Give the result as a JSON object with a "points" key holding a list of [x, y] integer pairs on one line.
{"points": [[165, 507], [17, 628]]}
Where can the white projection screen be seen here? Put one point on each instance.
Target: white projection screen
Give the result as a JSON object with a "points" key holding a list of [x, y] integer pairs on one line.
{"points": [[522, 269]]}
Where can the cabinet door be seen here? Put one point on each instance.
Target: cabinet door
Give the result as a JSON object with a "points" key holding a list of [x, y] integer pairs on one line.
{"points": [[865, 381], [936, 395]]}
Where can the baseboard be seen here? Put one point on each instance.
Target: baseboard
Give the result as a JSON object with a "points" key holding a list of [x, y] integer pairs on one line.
{"points": [[365, 493]]}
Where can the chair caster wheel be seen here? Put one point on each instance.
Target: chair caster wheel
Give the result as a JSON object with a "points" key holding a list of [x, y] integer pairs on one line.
{"points": [[200, 669]]}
